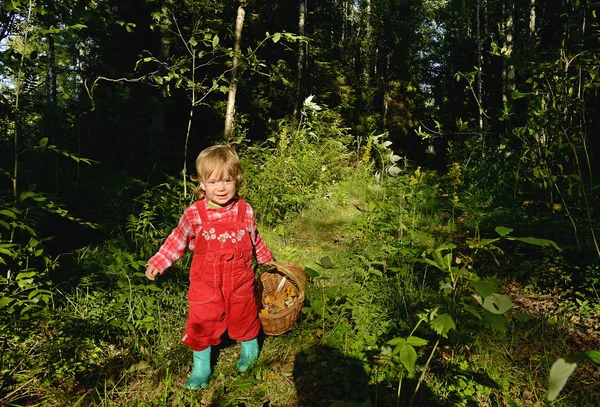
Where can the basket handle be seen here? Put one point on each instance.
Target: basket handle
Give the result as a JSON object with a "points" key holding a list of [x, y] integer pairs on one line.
{"points": [[295, 273]]}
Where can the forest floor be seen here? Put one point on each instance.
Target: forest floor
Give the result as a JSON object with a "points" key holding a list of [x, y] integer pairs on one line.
{"points": [[316, 362], [301, 368], [577, 333]]}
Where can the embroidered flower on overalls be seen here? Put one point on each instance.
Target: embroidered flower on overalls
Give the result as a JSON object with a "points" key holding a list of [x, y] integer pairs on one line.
{"points": [[209, 234], [223, 237]]}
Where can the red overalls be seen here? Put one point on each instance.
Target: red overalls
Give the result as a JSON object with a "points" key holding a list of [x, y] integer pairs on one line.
{"points": [[221, 294]]}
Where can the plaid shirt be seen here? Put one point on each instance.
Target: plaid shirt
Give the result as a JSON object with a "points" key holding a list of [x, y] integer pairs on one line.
{"points": [[190, 226]]}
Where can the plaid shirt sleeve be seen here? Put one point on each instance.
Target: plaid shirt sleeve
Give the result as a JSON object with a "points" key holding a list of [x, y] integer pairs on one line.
{"points": [[190, 225], [177, 241], [261, 251]]}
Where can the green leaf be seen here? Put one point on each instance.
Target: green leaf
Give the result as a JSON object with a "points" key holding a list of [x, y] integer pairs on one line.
{"points": [[416, 341], [22, 276], [537, 241], [276, 37], [446, 246], [488, 242], [431, 262], [471, 310], [495, 303], [408, 357], [27, 194], [8, 213], [442, 324], [518, 95], [326, 262], [503, 231], [522, 317], [592, 356], [511, 402], [4, 301], [245, 384], [496, 322], [559, 373], [332, 292], [44, 142], [485, 288], [215, 41], [311, 273], [396, 341]]}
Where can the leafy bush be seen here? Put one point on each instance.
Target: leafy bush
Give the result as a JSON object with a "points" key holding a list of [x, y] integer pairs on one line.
{"points": [[26, 281], [155, 213], [302, 160]]}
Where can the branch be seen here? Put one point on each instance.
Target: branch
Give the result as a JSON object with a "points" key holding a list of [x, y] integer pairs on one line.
{"points": [[90, 92]]}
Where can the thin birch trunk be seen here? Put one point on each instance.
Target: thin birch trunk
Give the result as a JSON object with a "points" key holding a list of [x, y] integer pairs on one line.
{"points": [[532, 19], [79, 68], [302, 51], [479, 72], [229, 115], [508, 70], [368, 51]]}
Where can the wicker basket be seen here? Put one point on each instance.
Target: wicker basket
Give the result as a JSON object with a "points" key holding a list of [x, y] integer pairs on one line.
{"points": [[277, 324]]}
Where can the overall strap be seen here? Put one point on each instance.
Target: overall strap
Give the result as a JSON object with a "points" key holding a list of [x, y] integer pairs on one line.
{"points": [[201, 208], [241, 207]]}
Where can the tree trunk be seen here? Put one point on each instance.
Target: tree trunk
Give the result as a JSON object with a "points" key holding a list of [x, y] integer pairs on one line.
{"points": [[479, 71], [7, 19], [51, 109], [51, 72], [508, 71], [79, 68], [532, 19], [301, 58], [239, 24], [18, 121], [368, 57], [166, 40]]}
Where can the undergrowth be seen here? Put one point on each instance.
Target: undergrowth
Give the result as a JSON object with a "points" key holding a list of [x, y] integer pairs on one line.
{"points": [[418, 295]]}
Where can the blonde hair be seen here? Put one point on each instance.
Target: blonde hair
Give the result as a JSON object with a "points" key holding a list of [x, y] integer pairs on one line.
{"points": [[220, 159]]}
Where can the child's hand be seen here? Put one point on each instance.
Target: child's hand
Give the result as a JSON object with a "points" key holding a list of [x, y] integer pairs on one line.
{"points": [[151, 272]]}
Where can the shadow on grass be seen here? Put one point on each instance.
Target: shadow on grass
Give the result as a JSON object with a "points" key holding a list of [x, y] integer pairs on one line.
{"points": [[324, 376]]}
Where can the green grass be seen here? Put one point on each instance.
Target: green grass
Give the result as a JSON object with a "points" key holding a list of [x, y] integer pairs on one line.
{"points": [[98, 347]]}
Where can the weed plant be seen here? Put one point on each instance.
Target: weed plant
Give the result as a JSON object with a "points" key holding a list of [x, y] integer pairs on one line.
{"points": [[302, 160]]}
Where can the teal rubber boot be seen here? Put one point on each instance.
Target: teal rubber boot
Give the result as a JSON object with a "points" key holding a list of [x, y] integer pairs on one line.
{"points": [[249, 355], [201, 371]]}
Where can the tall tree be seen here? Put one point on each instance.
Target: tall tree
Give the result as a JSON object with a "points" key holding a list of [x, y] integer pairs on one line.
{"points": [[229, 114], [302, 52]]}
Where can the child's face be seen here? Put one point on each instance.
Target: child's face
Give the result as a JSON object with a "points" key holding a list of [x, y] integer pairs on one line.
{"points": [[219, 188]]}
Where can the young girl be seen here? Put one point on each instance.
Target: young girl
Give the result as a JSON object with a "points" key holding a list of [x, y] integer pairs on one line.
{"points": [[221, 231]]}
